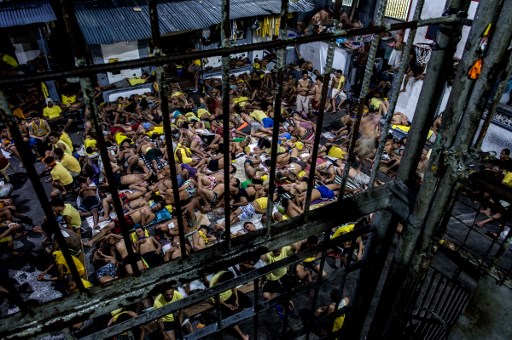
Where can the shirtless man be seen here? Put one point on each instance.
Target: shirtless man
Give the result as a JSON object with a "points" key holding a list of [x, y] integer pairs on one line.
{"points": [[303, 91], [90, 202], [201, 239], [151, 152], [125, 197], [117, 241], [317, 94], [149, 248]]}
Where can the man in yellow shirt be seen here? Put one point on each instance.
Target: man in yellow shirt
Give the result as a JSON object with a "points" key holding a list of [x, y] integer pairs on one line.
{"points": [[68, 212], [166, 323], [69, 162], [54, 115], [278, 279], [262, 117], [61, 178]]}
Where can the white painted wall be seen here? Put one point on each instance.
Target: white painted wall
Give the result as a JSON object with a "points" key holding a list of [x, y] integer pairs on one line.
{"points": [[122, 51], [316, 52]]}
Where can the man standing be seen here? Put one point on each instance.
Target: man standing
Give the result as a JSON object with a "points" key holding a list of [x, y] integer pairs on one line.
{"points": [[303, 88], [337, 86], [166, 323]]}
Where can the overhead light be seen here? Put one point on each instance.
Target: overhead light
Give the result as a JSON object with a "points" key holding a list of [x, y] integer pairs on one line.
{"points": [[137, 9]]}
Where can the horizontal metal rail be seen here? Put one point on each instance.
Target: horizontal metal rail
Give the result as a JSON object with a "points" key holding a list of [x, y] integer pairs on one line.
{"points": [[213, 291], [75, 308], [162, 60]]}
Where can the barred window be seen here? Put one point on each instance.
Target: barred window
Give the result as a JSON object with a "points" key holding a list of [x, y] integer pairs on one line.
{"points": [[398, 9]]}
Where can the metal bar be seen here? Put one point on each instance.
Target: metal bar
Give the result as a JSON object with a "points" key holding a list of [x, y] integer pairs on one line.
{"points": [[109, 298], [368, 72], [318, 132], [214, 291], [217, 311], [26, 158], [82, 58], [90, 103], [256, 307], [395, 91], [164, 106], [495, 103], [155, 26], [163, 60], [439, 66], [225, 37], [281, 63]]}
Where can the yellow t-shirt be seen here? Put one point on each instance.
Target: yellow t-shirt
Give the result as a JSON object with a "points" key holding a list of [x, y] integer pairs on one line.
{"points": [[71, 163], [136, 81], [52, 112], [215, 280], [262, 202], [160, 302], [61, 144], [183, 152], [158, 130], [120, 137], [201, 112], [90, 142], [278, 273], [68, 100], [258, 115], [86, 283], [10, 60], [69, 210], [59, 259], [66, 139], [60, 174], [336, 152], [343, 230]]}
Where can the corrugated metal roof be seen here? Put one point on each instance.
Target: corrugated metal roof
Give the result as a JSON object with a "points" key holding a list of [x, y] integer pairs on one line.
{"points": [[16, 13], [111, 21]]}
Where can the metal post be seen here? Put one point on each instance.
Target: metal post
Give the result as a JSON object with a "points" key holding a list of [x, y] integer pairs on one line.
{"points": [[155, 26], [90, 103], [439, 66], [495, 103], [395, 90], [281, 61], [26, 157], [225, 37], [256, 307], [164, 105]]}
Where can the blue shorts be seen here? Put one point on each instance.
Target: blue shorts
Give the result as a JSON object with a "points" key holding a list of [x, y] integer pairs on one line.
{"points": [[325, 192], [267, 122]]}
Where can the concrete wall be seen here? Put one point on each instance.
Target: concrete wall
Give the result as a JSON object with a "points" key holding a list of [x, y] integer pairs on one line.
{"points": [[487, 314], [25, 44]]}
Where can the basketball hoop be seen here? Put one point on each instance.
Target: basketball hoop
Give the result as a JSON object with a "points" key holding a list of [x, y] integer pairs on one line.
{"points": [[423, 53]]}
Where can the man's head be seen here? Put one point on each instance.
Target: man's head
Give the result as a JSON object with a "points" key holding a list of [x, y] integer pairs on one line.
{"points": [[276, 252], [57, 205], [168, 294], [59, 153], [505, 154], [304, 74], [53, 137], [140, 233], [249, 227], [49, 102], [338, 73], [49, 161]]}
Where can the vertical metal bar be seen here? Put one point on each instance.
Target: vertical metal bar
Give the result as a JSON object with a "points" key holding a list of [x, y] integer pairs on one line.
{"points": [[90, 103], [381, 7], [217, 311], [337, 10], [281, 61], [82, 58], [319, 125], [164, 106], [439, 66], [26, 157], [395, 90], [225, 37], [256, 308], [155, 26], [495, 102], [286, 308]]}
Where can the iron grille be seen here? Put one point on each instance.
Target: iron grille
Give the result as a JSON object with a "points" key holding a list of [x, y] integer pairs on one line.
{"points": [[390, 203]]}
